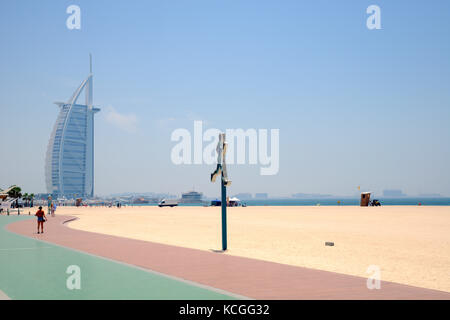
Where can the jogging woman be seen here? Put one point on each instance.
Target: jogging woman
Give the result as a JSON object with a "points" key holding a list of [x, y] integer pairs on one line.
{"points": [[41, 218]]}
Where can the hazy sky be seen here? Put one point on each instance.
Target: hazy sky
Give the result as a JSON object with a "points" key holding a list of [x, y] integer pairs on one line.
{"points": [[355, 107]]}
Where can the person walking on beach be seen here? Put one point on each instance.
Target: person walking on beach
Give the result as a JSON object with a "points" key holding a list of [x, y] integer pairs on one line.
{"points": [[49, 204], [41, 219], [53, 209]]}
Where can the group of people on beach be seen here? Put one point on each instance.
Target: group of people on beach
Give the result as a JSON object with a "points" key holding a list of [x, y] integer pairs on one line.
{"points": [[41, 217]]}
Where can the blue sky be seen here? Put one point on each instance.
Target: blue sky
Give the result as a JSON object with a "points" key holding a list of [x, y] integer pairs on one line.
{"points": [[355, 107]]}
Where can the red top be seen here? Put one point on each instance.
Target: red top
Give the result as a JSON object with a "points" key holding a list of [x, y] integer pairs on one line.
{"points": [[39, 214]]}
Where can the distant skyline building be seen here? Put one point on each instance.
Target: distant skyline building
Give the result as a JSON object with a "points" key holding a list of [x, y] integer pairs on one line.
{"points": [[244, 196], [393, 193], [310, 195], [430, 195], [261, 196], [69, 168]]}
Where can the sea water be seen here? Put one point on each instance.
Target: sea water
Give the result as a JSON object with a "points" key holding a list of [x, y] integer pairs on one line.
{"points": [[406, 201]]}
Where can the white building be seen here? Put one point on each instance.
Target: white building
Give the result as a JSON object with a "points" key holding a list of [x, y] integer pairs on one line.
{"points": [[69, 168]]}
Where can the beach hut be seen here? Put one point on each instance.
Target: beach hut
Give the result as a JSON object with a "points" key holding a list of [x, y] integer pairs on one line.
{"points": [[234, 202], [365, 199], [231, 202]]}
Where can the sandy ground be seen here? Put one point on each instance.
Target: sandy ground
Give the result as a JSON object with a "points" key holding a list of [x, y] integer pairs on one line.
{"points": [[411, 245]]}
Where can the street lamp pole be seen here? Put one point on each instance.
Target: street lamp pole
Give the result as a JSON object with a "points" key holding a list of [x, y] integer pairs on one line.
{"points": [[222, 170]]}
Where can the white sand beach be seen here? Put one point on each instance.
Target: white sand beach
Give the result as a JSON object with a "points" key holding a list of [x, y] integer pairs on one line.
{"points": [[410, 244]]}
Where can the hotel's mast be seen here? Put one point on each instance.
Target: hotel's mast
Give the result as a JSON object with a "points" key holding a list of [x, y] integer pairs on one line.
{"points": [[89, 89]]}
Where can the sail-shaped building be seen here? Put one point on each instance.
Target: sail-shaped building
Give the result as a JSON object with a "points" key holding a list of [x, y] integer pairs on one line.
{"points": [[69, 168]]}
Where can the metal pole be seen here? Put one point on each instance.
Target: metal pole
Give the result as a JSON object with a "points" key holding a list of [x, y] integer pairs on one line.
{"points": [[224, 216]]}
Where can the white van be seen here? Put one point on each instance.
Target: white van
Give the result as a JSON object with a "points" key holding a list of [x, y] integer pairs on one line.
{"points": [[168, 203]]}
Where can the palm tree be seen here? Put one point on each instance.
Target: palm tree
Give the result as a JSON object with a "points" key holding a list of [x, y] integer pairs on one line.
{"points": [[15, 192], [31, 199], [26, 198]]}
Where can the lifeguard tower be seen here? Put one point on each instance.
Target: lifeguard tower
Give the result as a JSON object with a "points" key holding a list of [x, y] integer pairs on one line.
{"points": [[365, 199]]}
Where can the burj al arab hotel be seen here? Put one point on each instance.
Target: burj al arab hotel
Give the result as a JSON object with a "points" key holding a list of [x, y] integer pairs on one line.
{"points": [[69, 165]]}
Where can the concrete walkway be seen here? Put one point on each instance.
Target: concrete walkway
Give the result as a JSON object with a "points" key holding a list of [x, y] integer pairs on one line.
{"points": [[242, 276]]}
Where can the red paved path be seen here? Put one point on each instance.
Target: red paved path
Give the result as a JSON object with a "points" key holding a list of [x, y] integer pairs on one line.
{"points": [[247, 277]]}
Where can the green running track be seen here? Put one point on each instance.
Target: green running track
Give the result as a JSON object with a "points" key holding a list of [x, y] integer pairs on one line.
{"points": [[33, 269]]}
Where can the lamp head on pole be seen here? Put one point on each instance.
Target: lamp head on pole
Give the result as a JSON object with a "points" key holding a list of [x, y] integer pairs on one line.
{"points": [[221, 164]]}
